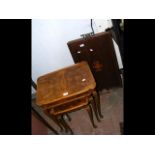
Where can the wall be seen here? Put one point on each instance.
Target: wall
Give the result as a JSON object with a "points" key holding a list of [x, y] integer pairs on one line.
{"points": [[49, 42]]}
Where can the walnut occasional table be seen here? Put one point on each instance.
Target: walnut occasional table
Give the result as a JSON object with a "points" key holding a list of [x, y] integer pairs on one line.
{"points": [[66, 90]]}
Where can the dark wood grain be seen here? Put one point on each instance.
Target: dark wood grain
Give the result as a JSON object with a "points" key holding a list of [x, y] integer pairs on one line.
{"points": [[98, 51]]}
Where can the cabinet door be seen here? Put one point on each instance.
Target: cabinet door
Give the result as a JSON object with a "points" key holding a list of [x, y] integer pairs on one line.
{"points": [[99, 52], [106, 60], [97, 63]]}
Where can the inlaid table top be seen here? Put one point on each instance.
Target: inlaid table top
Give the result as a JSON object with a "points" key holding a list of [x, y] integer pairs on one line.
{"points": [[64, 84]]}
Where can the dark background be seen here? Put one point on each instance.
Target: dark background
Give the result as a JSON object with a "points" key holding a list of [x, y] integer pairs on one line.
{"points": [[15, 49]]}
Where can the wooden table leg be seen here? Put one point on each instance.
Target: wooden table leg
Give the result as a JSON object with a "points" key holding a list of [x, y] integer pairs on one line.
{"points": [[90, 112], [69, 118], [55, 119], [67, 127], [44, 121], [97, 100], [95, 108]]}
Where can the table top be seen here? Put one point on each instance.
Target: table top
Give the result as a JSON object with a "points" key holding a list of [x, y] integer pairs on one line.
{"points": [[64, 84]]}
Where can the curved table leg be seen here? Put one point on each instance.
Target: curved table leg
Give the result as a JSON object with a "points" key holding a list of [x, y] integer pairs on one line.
{"points": [[97, 102], [90, 112], [67, 127], [69, 118], [55, 119], [44, 121], [94, 105]]}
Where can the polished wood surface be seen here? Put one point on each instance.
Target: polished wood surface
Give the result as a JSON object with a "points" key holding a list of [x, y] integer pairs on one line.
{"points": [[64, 84], [67, 90]]}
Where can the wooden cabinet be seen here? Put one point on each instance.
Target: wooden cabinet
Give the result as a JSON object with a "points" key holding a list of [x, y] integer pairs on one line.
{"points": [[98, 51]]}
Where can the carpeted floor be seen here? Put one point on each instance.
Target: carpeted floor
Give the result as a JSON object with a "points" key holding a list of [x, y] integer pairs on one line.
{"points": [[112, 109]]}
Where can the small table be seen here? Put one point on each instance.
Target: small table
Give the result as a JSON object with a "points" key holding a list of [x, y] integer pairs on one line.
{"points": [[66, 85]]}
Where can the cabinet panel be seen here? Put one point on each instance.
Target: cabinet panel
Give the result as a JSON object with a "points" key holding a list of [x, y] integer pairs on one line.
{"points": [[98, 51]]}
